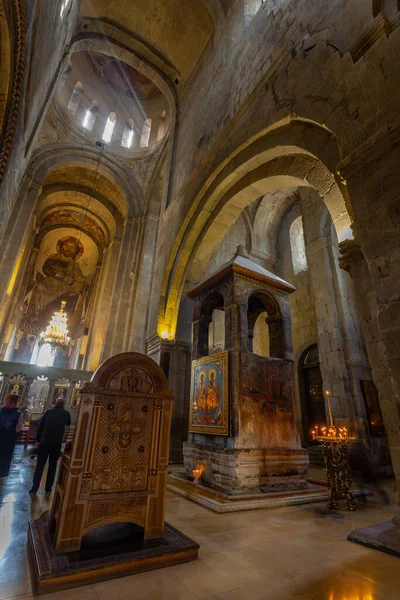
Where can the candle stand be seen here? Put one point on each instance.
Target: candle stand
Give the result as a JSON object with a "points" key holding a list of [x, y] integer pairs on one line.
{"points": [[335, 450]]}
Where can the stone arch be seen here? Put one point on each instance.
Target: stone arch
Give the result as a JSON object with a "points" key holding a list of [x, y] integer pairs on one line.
{"points": [[267, 221], [213, 301], [217, 13], [260, 301], [294, 154], [53, 156], [126, 204], [56, 196]]}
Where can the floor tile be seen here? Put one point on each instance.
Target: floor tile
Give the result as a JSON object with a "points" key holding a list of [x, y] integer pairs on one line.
{"points": [[291, 553]]}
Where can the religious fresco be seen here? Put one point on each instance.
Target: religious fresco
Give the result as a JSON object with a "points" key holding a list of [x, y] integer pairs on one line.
{"points": [[62, 272], [72, 217], [209, 395], [122, 77], [62, 268]]}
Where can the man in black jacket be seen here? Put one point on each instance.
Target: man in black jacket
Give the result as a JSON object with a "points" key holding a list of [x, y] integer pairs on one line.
{"points": [[48, 441]]}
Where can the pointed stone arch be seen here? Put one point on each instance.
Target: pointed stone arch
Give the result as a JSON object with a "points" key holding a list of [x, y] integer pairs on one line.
{"points": [[292, 153]]}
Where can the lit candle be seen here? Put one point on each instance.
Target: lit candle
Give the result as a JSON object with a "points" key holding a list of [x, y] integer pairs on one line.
{"points": [[327, 393]]}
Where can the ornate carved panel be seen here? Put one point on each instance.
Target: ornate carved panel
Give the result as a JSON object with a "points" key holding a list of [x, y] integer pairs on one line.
{"points": [[117, 466], [123, 443]]}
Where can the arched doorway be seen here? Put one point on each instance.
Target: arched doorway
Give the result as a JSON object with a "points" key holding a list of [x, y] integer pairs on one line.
{"points": [[311, 391]]}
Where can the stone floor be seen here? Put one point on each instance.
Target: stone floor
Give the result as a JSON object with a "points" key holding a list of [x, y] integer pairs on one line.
{"points": [[297, 553]]}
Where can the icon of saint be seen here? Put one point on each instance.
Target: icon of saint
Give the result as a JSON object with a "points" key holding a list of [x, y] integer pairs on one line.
{"points": [[201, 392], [213, 392], [62, 280]]}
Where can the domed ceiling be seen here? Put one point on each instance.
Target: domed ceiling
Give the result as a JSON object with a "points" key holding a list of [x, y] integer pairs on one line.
{"points": [[109, 102], [176, 30]]}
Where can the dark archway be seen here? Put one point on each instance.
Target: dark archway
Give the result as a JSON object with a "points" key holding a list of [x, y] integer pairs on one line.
{"points": [[311, 391]]}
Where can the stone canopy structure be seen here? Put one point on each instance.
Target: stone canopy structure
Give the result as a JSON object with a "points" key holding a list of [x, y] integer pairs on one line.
{"points": [[261, 450]]}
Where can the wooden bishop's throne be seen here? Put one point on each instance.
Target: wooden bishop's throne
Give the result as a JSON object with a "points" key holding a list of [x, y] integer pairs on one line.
{"points": [[117, 468]]}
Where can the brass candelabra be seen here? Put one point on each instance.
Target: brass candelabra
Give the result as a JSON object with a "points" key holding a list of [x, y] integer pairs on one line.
{"points": [[335, 450]]}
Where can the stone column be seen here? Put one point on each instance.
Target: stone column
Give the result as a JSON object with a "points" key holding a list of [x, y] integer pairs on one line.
{"points": [[175, 360], [373, 183], [236, 327], [15, 247], [143, 280], [334, 371], [374, 192], [102, 309], [352, 261]]}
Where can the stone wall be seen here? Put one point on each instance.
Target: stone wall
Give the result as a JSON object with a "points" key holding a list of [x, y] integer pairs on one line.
{"points": [[302, 306], [317, 62], [48, 35]]}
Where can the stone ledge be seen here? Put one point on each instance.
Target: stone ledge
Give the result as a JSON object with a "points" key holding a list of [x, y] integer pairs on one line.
{"points": [[384, 537], [221, 503]]}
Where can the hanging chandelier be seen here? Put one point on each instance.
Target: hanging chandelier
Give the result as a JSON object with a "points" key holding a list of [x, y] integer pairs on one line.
{"points": [[56, 332]]}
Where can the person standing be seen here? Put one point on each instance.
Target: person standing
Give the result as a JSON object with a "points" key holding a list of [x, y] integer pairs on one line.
{"points": [[10, 424], [48, 442]]}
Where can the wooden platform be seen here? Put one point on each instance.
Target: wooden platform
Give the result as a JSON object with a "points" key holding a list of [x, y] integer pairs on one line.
{"points": [[222, 503], [53, 572]]}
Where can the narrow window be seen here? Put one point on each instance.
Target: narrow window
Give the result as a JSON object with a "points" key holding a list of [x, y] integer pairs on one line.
{"points": [[127, 136], [75, 98], [216, 332], [161, 126], [297, 246], [90, 116], [144, 138], [261, 336], [109, 128], [251, 8], [64, 7]]}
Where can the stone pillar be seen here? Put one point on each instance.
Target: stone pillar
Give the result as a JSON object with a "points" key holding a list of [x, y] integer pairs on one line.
{"points": [[374, 192], [102, 309], [15, 248], [236, 327], [175, 360], [373, 183], [371, 455], [334, 371], [352, 260], [141, 273], [201, 324]]}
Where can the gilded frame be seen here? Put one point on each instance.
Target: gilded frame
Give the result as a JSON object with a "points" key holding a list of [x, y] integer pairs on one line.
{"points": [[209, 395]]}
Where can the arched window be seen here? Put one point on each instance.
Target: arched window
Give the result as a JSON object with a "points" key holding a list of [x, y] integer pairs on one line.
{"points": [[216, 332], [109, 128], [75, 97], [145, 137], [90, 116], [297, 246], [43, 356], [261, 335], [64, 7], [127, 136], [251, 7], [211, 332], [161, 126], [263, 310]]}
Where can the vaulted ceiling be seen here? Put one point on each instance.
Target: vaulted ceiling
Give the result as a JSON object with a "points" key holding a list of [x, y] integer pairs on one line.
{"points": [[177, 31]]}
